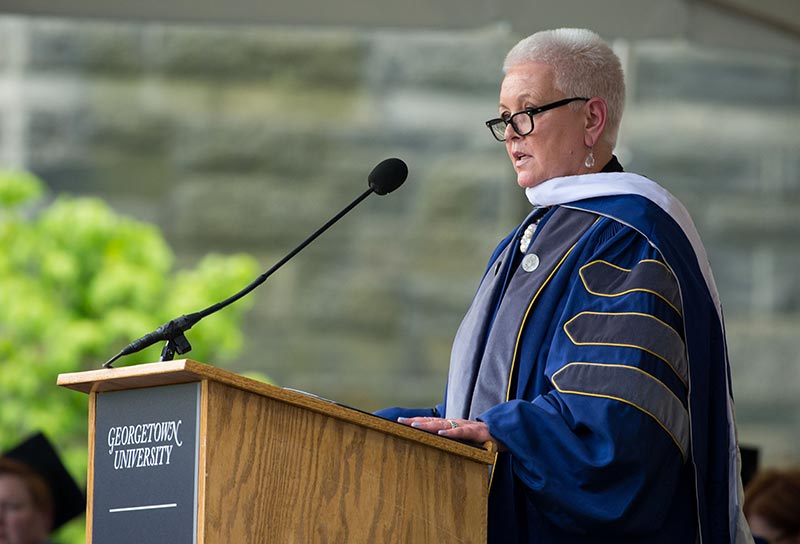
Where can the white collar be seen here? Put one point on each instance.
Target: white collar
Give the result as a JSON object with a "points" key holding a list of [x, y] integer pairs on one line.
{"points": [[571, 188]]}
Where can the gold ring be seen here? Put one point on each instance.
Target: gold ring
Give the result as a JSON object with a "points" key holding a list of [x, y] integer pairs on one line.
{"points": [[452, 423]]}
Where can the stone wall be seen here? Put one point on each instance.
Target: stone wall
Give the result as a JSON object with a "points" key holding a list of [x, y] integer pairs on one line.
{"points": [[247, 139]]}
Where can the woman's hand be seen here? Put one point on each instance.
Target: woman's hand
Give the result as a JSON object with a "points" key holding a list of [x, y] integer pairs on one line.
{"points": [[460, 429]]}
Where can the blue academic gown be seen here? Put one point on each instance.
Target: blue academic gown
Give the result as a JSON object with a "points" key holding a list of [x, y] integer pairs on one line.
{"points": [[615, 414]]}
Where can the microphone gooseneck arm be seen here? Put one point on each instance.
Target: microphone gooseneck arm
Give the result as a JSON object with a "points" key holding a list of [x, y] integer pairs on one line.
{"points": [[385, 178]]}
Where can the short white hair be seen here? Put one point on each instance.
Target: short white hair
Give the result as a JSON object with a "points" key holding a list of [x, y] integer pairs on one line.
{"points": [[583, 65]]}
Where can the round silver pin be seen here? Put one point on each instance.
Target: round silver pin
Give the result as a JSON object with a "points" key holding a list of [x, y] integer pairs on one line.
{"points": [[530, 262]]}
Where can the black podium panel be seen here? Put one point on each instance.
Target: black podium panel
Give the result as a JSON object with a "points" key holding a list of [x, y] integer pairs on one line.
{"points": [[145, 465]]}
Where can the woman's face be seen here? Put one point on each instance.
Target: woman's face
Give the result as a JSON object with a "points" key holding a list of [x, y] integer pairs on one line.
{"points": [[556, 146], [20, 521]]}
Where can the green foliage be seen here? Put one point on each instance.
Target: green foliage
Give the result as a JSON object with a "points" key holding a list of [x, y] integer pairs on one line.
{"points": [[18, 187], [77, 283]]}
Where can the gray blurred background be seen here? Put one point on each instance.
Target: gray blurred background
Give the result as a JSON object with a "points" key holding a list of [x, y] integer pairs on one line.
{"points": [[242, 127]]}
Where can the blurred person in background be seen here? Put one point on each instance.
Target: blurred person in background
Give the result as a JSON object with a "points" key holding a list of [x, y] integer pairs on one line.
{"points": [[772, 506], [593, 355], [37, 494], [26, 505]]}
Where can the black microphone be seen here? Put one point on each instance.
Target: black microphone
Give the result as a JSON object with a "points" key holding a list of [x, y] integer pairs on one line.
{"points": [[387, 176]]}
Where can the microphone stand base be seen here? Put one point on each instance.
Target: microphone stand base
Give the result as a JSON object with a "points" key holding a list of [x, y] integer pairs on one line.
{"points": [[179, 345]]}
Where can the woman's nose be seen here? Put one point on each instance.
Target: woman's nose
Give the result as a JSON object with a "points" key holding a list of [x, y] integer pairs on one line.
{"points": [[510, 133]]}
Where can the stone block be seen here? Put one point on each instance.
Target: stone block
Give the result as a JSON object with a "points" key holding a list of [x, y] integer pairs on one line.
{"points": [[347, 298], [766, 220], [236, 209], [756, 278], [87, 46], [765, 361], [290, 57], [234, 147], [765, 369], [459, 113], [702, 172], [676, 128], [323, 109], [733, 272], [459, 189], [73, 176], [668, 72], [143, 173], [455, 60], [365, 371], [129, 131], [55, 136], [237, 146], [777, 280]]}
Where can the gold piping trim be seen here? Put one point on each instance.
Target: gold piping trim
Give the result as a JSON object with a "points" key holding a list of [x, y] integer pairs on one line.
{"points": [[599, 395], [654, 354], [638, 289], [522, 326]]}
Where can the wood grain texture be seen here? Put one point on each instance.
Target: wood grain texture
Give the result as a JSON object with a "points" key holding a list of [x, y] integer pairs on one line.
{"points": [[131, 377], [202, 463], [90, 467], [186, 370], [276, 465], [280, 473]]}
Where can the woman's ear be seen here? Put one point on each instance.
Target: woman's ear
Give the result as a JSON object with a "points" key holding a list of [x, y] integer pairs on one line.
{"points": [[596, 112]]}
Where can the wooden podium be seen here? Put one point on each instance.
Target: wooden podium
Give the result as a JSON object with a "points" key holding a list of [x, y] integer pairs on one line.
{"points": [[180, 451]]}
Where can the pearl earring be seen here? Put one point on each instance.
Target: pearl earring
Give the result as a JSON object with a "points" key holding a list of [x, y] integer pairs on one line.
{"points": [[589, 161]]}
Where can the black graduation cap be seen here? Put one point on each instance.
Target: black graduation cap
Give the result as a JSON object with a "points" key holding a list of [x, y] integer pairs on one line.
{"points": [[38, 453]]}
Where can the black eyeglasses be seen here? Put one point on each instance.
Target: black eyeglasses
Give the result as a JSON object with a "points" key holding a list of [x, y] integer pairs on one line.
{"points": [[522, 121]]}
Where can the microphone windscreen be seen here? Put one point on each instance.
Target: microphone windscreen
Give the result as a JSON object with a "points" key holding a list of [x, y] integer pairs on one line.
{"points": [[388, 176]]}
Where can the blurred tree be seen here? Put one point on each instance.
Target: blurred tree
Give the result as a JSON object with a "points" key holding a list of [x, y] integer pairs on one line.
{"points": [[77, 283]]}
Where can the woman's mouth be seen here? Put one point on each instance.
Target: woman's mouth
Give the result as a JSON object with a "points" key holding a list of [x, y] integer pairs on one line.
{"points": [[520, 158]]}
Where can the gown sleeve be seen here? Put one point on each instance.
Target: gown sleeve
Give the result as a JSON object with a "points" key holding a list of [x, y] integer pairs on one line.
{"points": [[604, 447], [395, 412]]}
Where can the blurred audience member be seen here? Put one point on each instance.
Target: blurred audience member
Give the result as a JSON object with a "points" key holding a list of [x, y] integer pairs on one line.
{"points": [[37, 494], [26, 505], [772, 506]]}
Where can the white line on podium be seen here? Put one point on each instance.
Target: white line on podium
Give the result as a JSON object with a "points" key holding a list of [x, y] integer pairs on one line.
{"points": [[148, 507]]}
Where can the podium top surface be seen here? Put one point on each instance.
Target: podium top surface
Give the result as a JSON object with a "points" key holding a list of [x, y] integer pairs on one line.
{"points": [[187, 370]]}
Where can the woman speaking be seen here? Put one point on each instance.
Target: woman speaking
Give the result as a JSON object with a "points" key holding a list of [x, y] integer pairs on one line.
{"points": [[593, 354]]}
